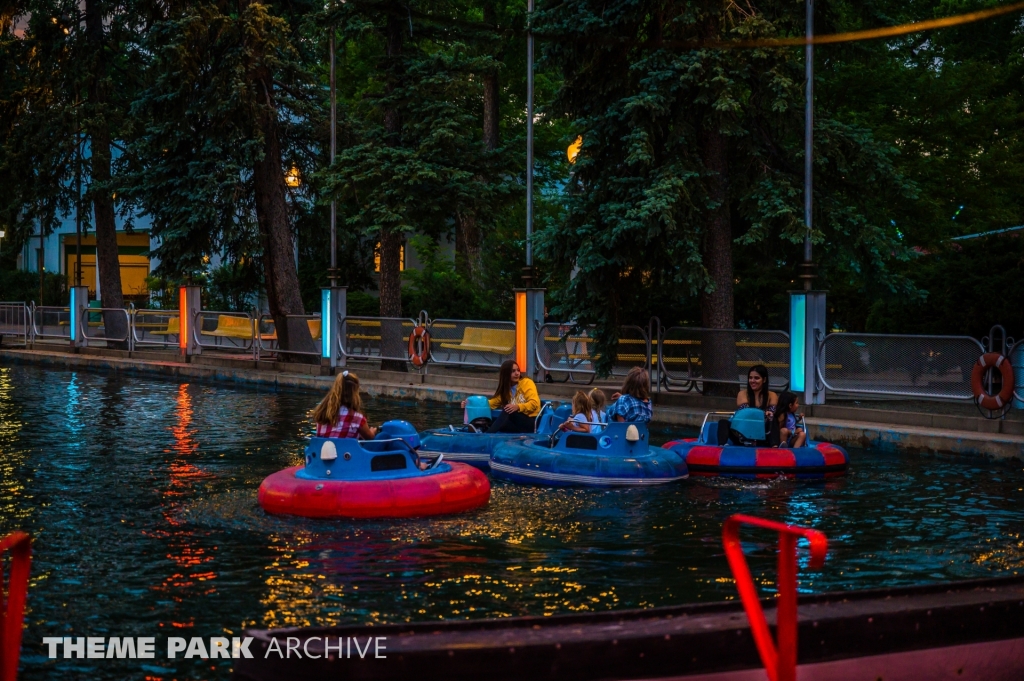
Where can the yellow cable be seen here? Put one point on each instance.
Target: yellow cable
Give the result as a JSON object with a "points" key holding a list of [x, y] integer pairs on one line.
{"points": [[873, 33]]}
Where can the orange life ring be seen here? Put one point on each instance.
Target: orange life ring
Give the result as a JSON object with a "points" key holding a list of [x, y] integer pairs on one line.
{"points": [[420, 334], [987, 401]]}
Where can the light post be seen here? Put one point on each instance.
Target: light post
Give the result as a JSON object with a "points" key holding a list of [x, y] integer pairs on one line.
{"points": [[807, 268]]}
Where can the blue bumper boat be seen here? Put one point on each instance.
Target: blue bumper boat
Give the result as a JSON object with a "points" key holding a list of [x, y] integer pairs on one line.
{"points": [[618, 456], [470, 443]]}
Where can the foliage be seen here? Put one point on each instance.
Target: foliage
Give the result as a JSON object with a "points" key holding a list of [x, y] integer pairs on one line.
{"points": [[665, 128], [19, 285]]}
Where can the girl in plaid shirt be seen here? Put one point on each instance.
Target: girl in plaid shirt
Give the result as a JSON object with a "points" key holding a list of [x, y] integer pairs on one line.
{"points": [[340, 413], [634, 402]]}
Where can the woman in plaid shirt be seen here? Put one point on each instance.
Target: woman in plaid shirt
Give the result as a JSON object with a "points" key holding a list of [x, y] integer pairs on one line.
{"points": [[340, 413], [634, 402]]}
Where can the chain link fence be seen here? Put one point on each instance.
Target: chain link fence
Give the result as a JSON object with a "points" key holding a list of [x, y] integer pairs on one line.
{"points": [[157, 328], [571, 351], [905, 366], [51, 323], [470, 342], [687, 356], [267, 340], [14, 321], [375, 338]]}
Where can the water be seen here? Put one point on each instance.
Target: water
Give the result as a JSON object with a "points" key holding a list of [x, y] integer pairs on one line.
{"points": [[140, 495]]}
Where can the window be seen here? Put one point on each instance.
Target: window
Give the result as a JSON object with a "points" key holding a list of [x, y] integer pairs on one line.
{"points": [[376, 258]]}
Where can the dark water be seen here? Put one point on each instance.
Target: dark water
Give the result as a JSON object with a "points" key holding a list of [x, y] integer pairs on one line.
{"points": [[140, 495]]}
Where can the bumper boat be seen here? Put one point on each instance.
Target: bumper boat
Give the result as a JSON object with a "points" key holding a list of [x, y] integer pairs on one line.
{"points": [[470, 443], [618, 456], [740, 450], [379, 478]]}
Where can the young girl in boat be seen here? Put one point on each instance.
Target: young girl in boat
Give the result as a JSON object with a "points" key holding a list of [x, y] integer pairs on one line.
{"points": [[790, 435], [598, 400], [339, 414], [633, 403], [582, 414]]}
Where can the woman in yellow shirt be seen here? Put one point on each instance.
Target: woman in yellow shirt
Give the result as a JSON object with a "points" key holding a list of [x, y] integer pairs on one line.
{"points": [[518, 400]]}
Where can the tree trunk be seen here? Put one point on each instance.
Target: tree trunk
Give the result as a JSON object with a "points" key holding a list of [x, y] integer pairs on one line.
{"points": [[282, 278], [468, 256], [468, 235], [115, 324], [718, 350], [392, 336]]}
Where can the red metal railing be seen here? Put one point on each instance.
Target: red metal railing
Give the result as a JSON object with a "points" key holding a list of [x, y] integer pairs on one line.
{"points": [[779, 657], [12, 604]]}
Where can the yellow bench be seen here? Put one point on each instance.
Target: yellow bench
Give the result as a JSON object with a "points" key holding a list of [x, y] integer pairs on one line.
{"points": [[271, 334], [173, 328], [475, 339], [229, 326]]}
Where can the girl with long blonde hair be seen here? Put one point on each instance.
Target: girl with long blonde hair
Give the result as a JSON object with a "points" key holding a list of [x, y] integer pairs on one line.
{"points": [[339, 414]]}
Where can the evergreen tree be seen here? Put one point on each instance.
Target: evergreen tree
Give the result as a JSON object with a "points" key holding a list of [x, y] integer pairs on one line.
{"points": [[690, 151], [412, 158], [226, 111]]}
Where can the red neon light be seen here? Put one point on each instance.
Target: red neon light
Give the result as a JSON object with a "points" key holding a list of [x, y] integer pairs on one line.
{"points": [[779, 660], [17, 590], [183, 318]]}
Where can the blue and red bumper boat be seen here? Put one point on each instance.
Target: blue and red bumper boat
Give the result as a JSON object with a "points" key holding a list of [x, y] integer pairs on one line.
{"points": [[739, 453]]}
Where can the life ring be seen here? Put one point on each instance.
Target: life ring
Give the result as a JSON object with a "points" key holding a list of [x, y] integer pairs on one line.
{"points": [[983, 398], [420, 334]]}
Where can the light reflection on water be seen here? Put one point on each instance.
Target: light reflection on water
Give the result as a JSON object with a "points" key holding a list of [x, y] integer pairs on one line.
{"points": [[141, 498]]}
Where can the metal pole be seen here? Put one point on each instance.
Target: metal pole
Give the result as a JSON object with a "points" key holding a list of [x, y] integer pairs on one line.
{"points": [[78, 210], [809, 146], [333, 274], [529, 139]]}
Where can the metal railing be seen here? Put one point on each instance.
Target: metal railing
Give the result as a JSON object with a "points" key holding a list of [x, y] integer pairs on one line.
{"points": [[14, 320], [691, 355], [375, 338], [266, 321], [155, 327], [51, 322], [239, 336], [903, 366], [571, 350], [99, 326], [468, 342]]}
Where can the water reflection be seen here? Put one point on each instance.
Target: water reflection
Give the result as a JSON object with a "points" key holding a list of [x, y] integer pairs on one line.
{"points": [[141, 495]]}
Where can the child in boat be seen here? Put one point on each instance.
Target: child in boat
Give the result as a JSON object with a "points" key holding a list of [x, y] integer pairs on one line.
{"points": [[598, 400], [582, 411], [790, 434], [633, 402], [339, 414]]}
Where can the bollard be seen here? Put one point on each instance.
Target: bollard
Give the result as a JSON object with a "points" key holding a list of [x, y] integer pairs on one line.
{"points": [[333, 307], [189, 306], [529, 318], [778, 657], [806, 328], [78, 305]]}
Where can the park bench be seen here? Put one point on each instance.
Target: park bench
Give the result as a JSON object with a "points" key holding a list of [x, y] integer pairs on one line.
{"points": [[173, 328], [229, 326], [476, 339]]}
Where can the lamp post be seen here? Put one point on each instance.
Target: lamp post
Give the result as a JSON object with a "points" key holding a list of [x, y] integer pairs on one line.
{"points": [[332, 273], [528, 273], [807, 268]]}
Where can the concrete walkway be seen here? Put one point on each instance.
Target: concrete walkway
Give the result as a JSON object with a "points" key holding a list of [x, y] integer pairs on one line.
{"points": [[879, 427]]}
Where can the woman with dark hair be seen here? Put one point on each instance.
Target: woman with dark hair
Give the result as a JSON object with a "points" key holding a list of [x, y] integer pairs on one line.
{"points": [[757, 394], [633, 402], [518, 400]]}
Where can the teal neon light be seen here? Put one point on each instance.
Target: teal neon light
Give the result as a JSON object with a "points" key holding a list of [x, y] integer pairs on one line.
{"points": [[325, 323], [74, 308], [797, 340]]}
